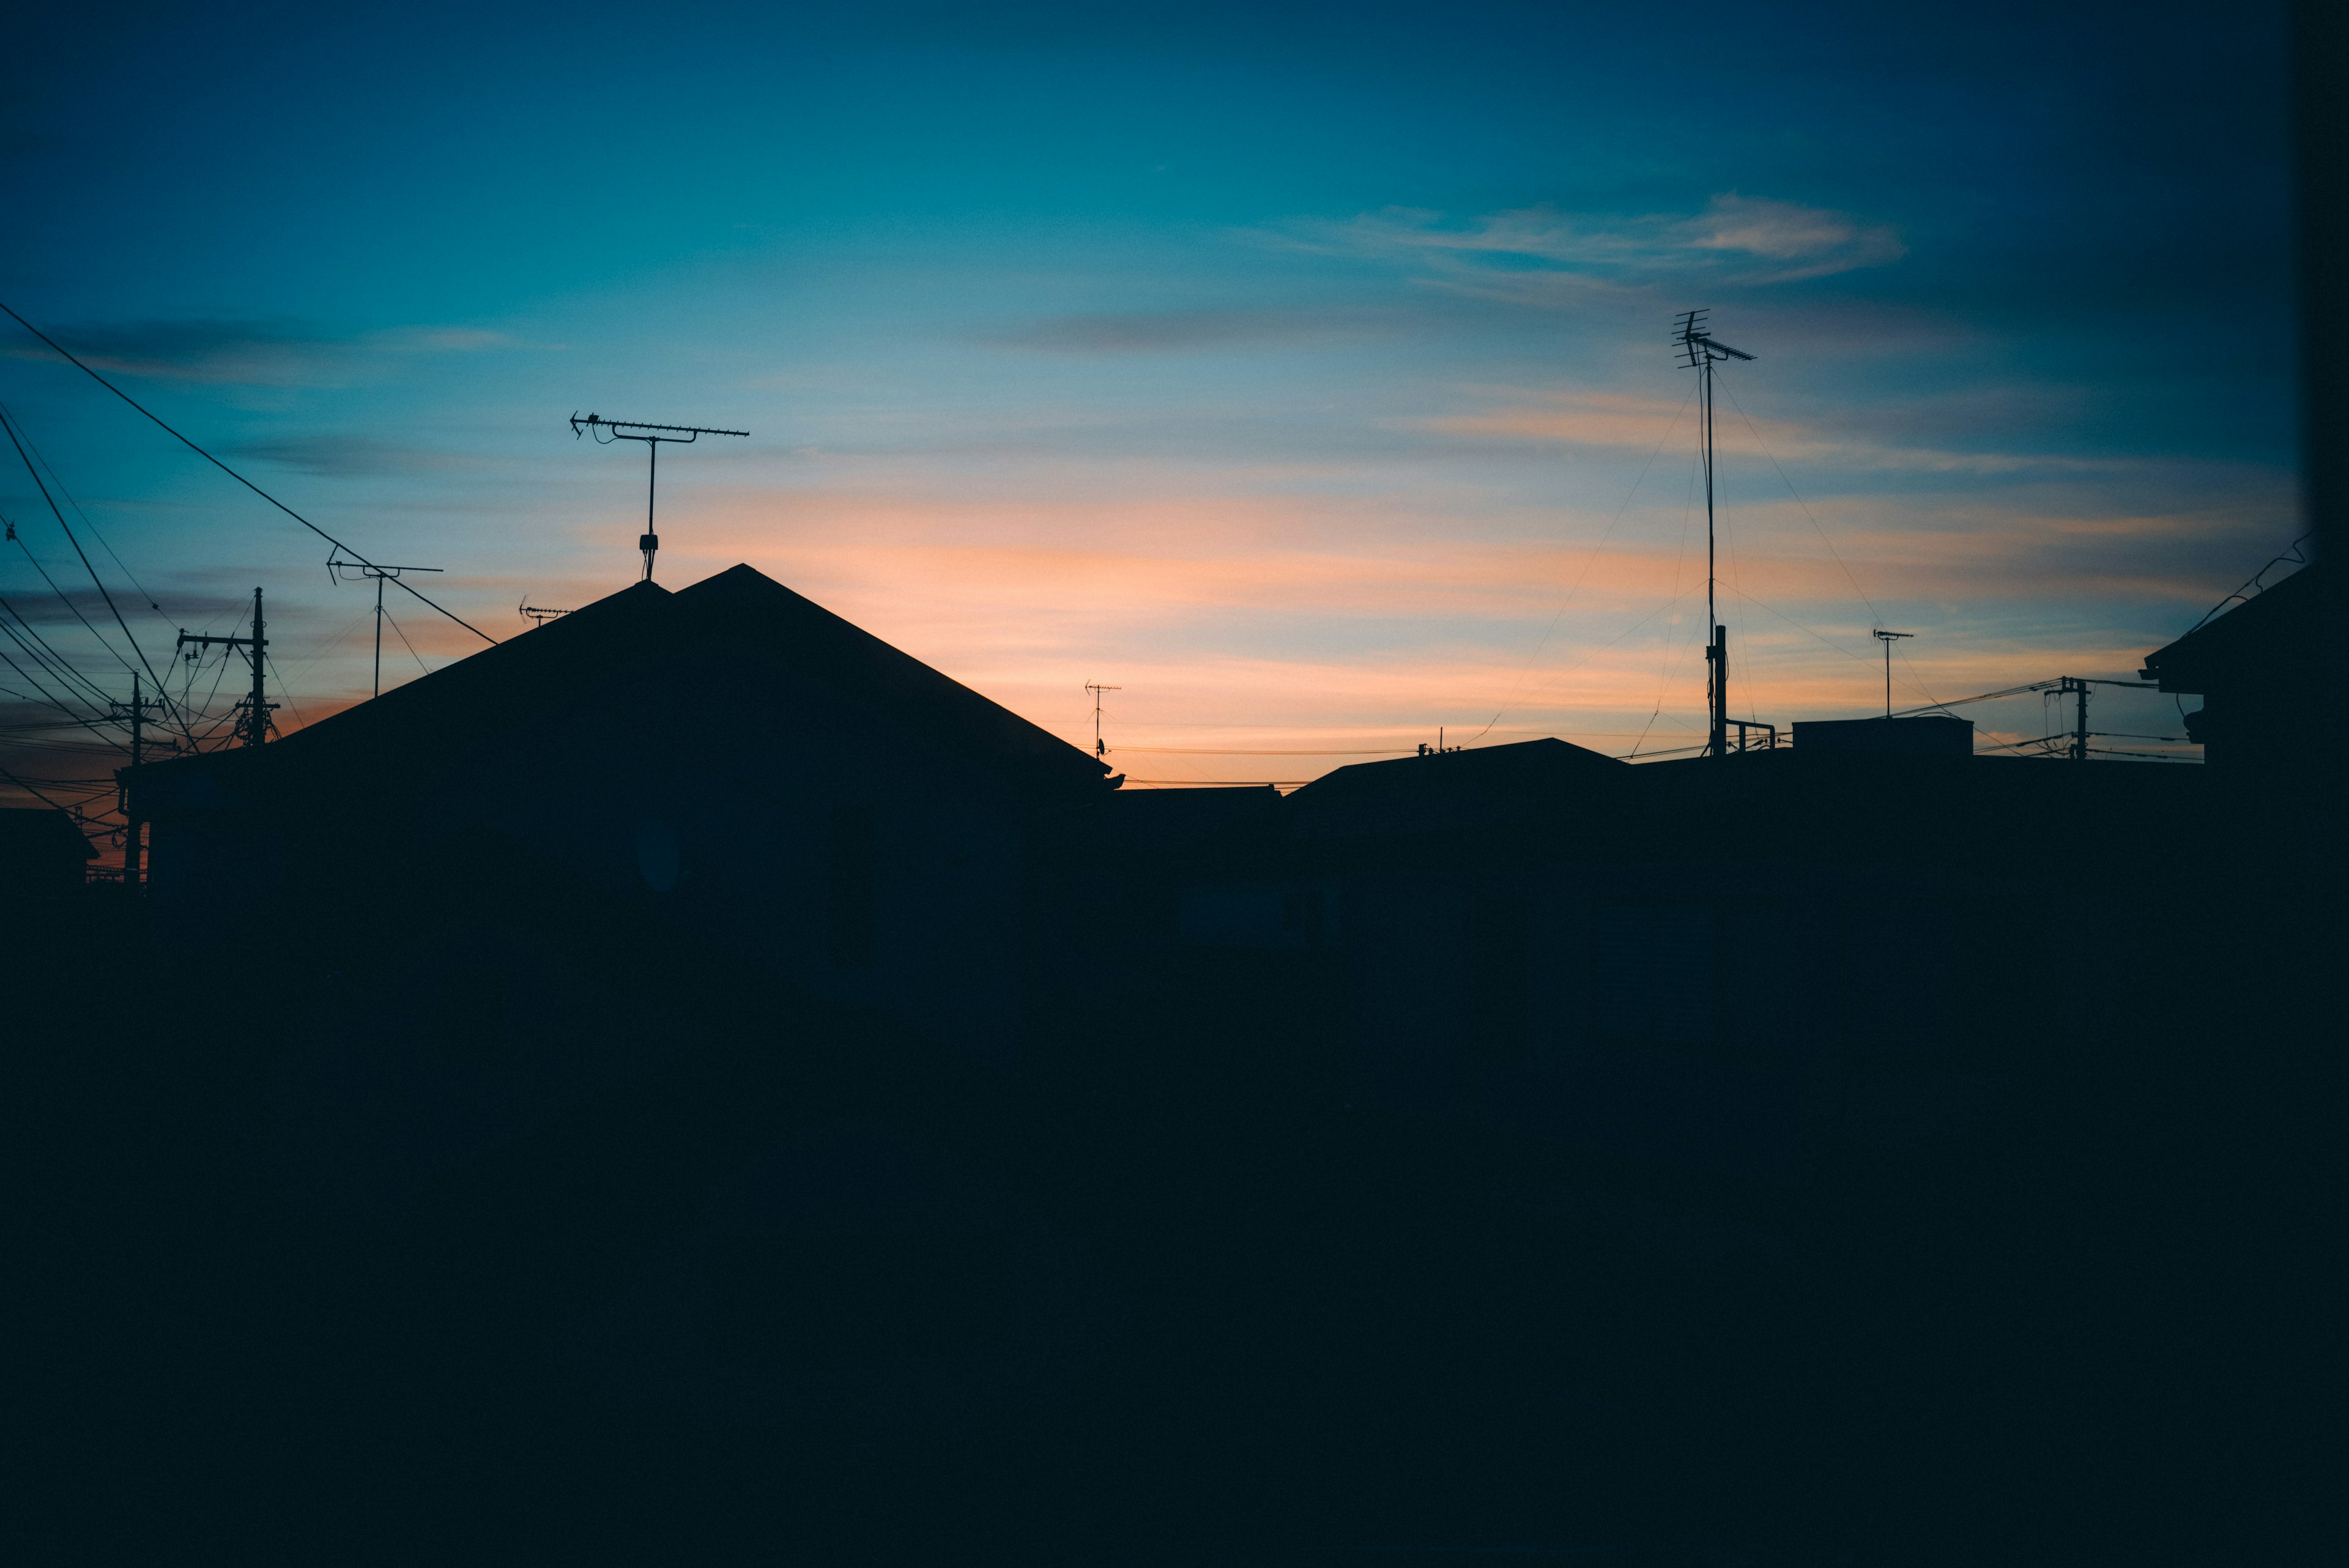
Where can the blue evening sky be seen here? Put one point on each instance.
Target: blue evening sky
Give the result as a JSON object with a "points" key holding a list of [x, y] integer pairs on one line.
{"points": [[1300, 369]]}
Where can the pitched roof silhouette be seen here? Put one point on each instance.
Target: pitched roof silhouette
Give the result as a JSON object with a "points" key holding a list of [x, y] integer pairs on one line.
{"points": [[644, 630]]}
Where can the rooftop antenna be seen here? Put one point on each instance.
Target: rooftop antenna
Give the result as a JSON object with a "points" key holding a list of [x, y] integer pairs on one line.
{"points": [[1888, 639], [341, 570], [537, 617], [1099, 751], [652, 436], [1700, 352]]}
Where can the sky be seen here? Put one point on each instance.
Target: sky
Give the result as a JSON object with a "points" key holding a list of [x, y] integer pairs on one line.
{"points": [[1301, 370]]}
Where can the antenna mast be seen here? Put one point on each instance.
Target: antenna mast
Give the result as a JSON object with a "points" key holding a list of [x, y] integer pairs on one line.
{"points": [[1099, 751], [337, 568], [1888, 639], [1700, 352], [652, 436]]}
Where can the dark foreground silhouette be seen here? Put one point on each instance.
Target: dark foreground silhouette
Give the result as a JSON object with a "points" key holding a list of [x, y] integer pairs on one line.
{"points": [[879, 1138], [1016, 1316]]}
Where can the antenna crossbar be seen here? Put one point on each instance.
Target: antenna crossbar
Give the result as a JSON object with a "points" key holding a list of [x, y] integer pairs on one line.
{"points": [[340, 569], [652, 435]]}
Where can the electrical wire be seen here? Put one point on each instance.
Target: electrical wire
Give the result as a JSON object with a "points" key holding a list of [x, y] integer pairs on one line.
{"points": [[26, 677], [72, 609], [407, 645], [285, 687], [9, 424], [48, 657], [1912, 682], [91, 523], [397, 582], [1589, 560], [1680, 556]]}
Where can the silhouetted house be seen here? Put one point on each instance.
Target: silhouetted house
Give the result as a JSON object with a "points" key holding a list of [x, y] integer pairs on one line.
{"points": [[2260, 668], [1696, 963], [42, 853], [822, 807], [1922, 735], [652, 974]]}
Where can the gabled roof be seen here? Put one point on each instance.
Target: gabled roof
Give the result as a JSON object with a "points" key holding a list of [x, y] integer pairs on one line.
{"points": [[640, 630], [746, 606], [1445, 791], [2272, 634], [41, 830]]}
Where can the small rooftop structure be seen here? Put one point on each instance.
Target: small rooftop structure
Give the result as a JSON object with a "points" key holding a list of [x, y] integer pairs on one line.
{"points": [[41, 852], [1926, 735], [1484, 787]]}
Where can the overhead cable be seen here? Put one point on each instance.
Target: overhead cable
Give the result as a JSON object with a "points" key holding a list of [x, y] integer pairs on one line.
{"points": [[9, 425], [233, 473]]}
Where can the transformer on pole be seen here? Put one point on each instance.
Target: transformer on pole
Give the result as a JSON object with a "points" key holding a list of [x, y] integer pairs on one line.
{"points": [[254, 725]]}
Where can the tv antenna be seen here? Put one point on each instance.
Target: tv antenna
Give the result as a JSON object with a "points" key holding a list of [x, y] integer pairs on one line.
{"points": [[341, 570], [652, 436], [1700, 352], [537, 617], [1099, 751], [1888, 639]]}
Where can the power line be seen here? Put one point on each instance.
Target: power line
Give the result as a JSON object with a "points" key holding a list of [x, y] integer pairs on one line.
{"points": [[406, 644], [1800, 503], [26, 676], [233, 473], [1589, 560], [9, 425], [91, 523], [48, 655], [74, 609]]}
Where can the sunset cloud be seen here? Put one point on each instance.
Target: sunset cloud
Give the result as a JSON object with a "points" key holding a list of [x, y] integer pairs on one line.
{"points": [[250, 352], [1318, 402], [1181, 331], [1533, 254], [1616, 419]]}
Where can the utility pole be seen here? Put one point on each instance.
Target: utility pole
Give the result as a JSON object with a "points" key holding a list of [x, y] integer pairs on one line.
{"points": [[652, 436], [133, 714], [2073, 686], [1099, 751], [1701, 352], [335, 569], [255, 724], [1888, 639]]}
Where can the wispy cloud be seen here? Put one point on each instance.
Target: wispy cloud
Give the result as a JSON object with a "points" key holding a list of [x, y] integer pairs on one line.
{"points": [[242, 351], [352, 457], [1613, 419], [1176, 331], [1542, 255]]}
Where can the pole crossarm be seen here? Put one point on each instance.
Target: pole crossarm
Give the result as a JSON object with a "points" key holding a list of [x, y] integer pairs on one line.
{"points": [[256, 719]]}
